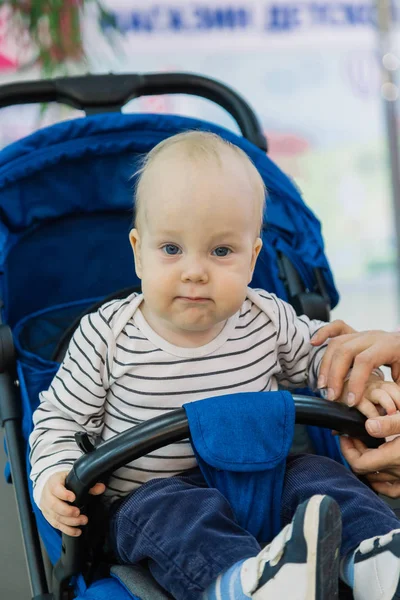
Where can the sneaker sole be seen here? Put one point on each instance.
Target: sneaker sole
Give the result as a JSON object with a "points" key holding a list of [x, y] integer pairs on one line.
{"points": [[322, 547]]}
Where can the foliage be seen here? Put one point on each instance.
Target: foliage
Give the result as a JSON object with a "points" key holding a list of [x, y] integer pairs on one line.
{"points": [[53, 28]]}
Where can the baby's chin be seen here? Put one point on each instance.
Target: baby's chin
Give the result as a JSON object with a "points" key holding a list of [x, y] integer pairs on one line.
{"points": [[198, 325]]}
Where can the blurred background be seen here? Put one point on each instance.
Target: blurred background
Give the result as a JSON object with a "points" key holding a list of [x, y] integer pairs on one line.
{"points": [[322, 77], [313, 72]]}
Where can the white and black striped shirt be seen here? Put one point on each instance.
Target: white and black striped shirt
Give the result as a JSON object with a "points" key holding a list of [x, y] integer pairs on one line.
{"points": [[118, 372]]}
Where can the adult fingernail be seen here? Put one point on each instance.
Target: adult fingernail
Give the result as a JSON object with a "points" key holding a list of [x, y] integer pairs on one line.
{"points": [[373, 426], [321, 381], [351, 399], [330, 394]]}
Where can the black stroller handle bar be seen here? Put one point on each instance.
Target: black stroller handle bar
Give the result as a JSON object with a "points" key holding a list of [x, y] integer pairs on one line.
{"points": [[173, 427], [104, 93]]}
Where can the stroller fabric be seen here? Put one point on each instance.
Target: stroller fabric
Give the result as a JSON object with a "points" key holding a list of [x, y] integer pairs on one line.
{"points": [[75, 177], [247, 469]]}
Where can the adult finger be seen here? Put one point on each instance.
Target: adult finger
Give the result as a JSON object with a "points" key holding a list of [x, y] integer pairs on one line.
{"points": [[380, 459], [387, 489], [356, 353], [395, 368], [370, 349], [382, 476], [343, 362], [384, 427], [330, 330], [381, 348], [351, 453], [365, 460], [365, 360], [361, 447]]}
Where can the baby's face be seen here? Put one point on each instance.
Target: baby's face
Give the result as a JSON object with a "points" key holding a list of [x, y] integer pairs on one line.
{"points": [[196, 248]]}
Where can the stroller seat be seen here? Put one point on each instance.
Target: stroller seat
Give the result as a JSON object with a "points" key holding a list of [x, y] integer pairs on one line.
{"points": [[139, 582]]}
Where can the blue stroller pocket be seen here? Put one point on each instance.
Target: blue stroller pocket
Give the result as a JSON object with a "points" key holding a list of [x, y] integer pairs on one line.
{"points": [[35, 339]]}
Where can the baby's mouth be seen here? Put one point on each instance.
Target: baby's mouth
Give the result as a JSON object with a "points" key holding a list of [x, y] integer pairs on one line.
{"points": [[193, 298]]}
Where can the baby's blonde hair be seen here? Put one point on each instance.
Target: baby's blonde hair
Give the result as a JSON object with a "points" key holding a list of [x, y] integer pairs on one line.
{"points": [[199, 146]]}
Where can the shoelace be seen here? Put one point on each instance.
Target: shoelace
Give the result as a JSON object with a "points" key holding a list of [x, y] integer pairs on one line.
{"points": [[274, 551], [368, 545], [254, 567]]}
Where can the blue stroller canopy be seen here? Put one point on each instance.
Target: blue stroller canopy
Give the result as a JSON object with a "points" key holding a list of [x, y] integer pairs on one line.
{"points": [[66, 195]]}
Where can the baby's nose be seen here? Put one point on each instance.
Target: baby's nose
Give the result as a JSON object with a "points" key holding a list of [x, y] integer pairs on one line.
{"points": [[194, 270]]}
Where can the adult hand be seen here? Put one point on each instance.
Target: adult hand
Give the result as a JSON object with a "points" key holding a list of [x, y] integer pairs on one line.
{"points": [[381, 466], [363, 351]]}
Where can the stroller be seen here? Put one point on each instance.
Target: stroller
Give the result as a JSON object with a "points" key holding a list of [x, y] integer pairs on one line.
{"points": [[66, 202]]}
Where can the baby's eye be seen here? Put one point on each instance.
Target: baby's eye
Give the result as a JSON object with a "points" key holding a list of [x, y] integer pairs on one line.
{"points": [[221, 251], [171, 249]]}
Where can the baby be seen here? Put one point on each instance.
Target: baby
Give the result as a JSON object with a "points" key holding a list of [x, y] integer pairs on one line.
{"points": [[198, 331]]}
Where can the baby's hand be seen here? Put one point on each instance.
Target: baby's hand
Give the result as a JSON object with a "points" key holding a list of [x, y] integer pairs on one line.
{"points": [[379, 398], [55, 506]]}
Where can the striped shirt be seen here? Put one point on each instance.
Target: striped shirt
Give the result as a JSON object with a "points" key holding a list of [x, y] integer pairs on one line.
{"points": [[118, 372]]}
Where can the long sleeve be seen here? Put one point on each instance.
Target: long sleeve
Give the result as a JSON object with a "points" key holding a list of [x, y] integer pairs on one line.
{"points": [[298, 359], [74, 402]]}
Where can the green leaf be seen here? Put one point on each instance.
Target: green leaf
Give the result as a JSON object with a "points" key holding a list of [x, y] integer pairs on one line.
{"points": [[54, 27], [76, 27], [31, 15]]}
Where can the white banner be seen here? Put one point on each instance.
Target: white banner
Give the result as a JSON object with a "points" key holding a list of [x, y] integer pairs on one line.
{"points": [[258, 22]]}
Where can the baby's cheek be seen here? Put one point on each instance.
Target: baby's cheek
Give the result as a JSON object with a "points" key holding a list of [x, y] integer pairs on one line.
{"points": [[158, 282]]}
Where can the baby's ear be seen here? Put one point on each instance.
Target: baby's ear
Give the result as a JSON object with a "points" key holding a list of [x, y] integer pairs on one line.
{"points": [[256, 251], [134, 239]]}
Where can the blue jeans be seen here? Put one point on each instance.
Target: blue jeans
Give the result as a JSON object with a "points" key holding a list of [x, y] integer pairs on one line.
{"points": [[188, 535]]}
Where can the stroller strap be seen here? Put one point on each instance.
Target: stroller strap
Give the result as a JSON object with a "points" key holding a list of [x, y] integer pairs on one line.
{"points": [[241, 442]]}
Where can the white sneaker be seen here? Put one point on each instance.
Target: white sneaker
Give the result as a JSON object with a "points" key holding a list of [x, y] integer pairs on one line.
{"points": [[377, 568], [302, 562]]}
